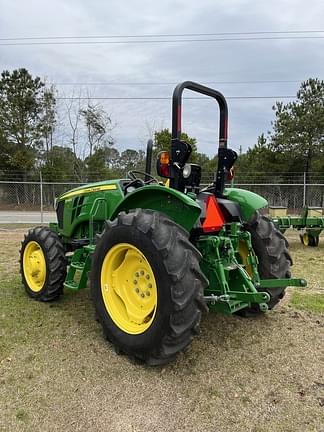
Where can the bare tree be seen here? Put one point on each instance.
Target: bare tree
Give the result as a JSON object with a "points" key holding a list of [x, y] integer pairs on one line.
{"points": [[73, 111], [73, 114], [98, 125]]}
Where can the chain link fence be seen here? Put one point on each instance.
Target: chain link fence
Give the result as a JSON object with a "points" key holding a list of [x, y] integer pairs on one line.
{"points": [[292, 196], [39, 196], [31, 195]]}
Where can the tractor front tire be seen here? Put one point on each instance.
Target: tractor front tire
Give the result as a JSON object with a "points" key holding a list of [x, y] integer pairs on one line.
{"points": [[42, 264], [271, 248], [147, 286]]}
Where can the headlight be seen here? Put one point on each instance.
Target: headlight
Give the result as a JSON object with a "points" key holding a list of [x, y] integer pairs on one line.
{"points": [[186, 171]]}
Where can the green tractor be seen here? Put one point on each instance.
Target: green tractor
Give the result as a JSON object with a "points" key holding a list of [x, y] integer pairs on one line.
{"points": [[158, 254]]}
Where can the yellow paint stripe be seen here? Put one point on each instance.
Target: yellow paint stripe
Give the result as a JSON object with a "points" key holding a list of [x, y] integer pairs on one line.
{"points": [[89, 190]]}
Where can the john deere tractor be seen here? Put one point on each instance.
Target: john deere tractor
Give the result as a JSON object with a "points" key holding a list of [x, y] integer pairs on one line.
{"points": [[157, 254]]}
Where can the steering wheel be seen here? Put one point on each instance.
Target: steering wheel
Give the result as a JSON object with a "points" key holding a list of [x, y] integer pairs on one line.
{"points": [[132, 175]]}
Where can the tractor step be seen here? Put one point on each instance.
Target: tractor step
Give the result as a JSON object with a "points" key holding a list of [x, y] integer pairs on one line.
{"points": [[90, 248], [77, 265], [72, 285], [77, 275]]}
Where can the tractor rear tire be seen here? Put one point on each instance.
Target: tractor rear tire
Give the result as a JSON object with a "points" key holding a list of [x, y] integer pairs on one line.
{"points": [[42, 264], [144, 253], [271, 248]]}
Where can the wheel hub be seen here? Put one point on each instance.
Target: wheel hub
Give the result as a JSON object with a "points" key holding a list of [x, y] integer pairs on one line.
{"points": [[128, 288]]}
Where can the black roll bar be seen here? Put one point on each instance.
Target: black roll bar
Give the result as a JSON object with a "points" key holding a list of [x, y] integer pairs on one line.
{"points": [[198, 88], [226, 157]]}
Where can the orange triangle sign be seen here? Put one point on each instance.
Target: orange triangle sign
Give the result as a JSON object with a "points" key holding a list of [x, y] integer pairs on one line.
{"points": [[214, 217]]}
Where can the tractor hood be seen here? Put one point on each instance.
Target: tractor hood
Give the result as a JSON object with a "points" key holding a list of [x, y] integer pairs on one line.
{"points": [[90, 188]]}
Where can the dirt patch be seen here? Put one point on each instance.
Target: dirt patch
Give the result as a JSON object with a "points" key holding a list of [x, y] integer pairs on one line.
{"points": [[57, 372]]}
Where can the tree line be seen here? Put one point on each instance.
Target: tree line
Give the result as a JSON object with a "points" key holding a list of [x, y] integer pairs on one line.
{"points": [[30, 123]]}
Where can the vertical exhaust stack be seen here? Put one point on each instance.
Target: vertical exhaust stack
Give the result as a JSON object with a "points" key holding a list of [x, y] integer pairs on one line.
{"points": [[148, 164]]}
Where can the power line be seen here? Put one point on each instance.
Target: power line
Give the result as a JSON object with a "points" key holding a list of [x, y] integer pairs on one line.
{"points": [[169, 98], [155, 41], [161, 35], [172, 83]]}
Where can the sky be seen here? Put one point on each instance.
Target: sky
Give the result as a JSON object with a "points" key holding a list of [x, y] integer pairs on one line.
{"points": [[219, 62]]}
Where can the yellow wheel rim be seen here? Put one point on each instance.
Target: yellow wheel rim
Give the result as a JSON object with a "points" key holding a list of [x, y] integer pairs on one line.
{"points": [[34, 266], [306, 239], [244, 252], [128, 288]]}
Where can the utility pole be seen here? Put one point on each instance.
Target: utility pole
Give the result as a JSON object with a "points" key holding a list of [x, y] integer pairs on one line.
{"points": [[41, 196]]}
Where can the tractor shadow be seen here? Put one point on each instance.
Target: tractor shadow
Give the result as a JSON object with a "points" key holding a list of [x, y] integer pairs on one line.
{"points": [[223, 340]]}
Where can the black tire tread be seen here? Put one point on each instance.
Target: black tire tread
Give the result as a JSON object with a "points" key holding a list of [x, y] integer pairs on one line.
{"points": [[271, 247], [56, 263], [181, 260]]}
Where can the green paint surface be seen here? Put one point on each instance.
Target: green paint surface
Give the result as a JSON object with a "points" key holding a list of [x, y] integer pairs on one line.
{"points": [[178, 206], [249, 201]]}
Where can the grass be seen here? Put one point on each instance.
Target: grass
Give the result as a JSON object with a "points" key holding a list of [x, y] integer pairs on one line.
{"points": [[308, 301], [21, 415], [58, 373]]}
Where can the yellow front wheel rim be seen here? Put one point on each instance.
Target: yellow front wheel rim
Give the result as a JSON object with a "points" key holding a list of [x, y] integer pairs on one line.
{"points": [[129, 288], [34, 266]]}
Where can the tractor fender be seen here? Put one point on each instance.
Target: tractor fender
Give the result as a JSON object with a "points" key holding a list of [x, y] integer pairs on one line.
{"points": [[248, 201], [181, 208]]}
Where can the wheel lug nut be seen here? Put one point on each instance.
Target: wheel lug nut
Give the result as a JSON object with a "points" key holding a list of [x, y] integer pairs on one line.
{"points": [[135, 281], [147, 276], [149, 285], [136, 274], [142, 272], [142, 295], [137, 290], [148, 293]]}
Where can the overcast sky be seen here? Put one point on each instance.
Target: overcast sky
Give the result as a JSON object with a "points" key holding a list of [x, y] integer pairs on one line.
{"points": [[259, 60]]}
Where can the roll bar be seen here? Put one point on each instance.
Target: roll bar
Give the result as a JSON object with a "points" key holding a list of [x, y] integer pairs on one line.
{"points": [[180, 151], [198, 88]]}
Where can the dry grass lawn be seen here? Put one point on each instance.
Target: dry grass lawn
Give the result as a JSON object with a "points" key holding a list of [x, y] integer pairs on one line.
{"points": [[57, 373]]}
